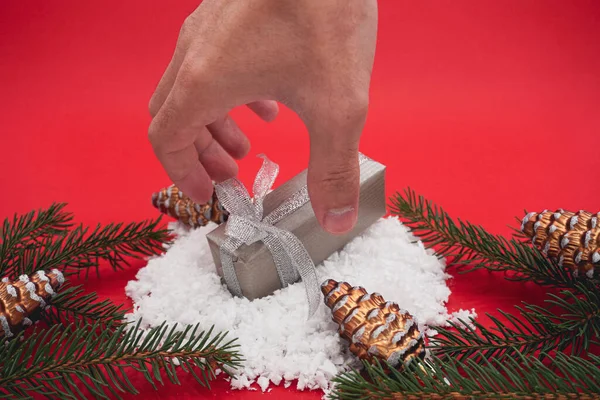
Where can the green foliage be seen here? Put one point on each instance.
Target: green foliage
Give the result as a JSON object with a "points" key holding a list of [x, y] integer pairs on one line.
{"points": [[71, 305], [569, 321], [519, 357], [468, 246], [63, 364], [518, 377], [88, 350], [28, 231], [574, 328], [43, 240]]}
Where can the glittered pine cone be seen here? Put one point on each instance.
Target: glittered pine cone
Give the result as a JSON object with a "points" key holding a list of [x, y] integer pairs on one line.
{"points": [[373, 327], [572, 239], [22, 300], [173, 202]]}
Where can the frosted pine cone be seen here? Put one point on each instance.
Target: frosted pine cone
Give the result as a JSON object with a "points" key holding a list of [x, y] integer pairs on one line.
{"points": [[173, 202], [572, 239], [22, 300], [375, 328]]}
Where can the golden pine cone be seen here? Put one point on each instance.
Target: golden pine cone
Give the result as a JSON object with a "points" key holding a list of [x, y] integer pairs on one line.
{"points": [[572, 239], [173, 202], [22, 300], [373, 327]]}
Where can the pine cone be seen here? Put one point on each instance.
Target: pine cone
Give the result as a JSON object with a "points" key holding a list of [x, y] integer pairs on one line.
{"points": [[572, 239], [22, 301], [374, 327], [173, 202]]}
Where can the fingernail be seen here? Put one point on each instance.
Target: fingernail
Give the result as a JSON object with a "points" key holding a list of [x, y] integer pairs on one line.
{"points": [[340, 220]]}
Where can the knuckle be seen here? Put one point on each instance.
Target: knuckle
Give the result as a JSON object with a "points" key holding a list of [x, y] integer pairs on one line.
{"points": [[153, 105], [153, 133], [187, 73], [181, 173], [186, 28], [158, 127], [360, 103], [340, 178], [356, 106], [350, 111], [191, 75]]}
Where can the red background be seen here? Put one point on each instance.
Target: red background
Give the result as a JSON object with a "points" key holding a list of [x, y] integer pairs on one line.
{"points": [[486, 107]]}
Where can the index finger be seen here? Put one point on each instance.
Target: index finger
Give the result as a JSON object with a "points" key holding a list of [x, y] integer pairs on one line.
{"points": [[172, 133]]}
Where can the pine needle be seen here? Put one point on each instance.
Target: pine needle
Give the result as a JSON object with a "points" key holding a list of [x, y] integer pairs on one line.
{"points": [[573, 327], [89, 351], [569, 321], [71, 305], [42, 243], [27, 232], [520, 377], [65, 364], [469, 247]]}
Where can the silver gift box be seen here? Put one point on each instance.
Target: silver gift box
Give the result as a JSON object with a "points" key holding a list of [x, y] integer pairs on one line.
{"points": [[254, 265]]}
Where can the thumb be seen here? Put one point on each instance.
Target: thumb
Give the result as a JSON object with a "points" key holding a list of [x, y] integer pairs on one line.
{"points": [[334, 172]]}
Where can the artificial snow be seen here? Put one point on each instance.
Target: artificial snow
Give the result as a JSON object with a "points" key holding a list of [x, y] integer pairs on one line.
{"points": [[276, 340], [463, 317]]}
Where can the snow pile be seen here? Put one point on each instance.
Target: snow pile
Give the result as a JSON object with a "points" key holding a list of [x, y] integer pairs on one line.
{"points": [[276, 340]]}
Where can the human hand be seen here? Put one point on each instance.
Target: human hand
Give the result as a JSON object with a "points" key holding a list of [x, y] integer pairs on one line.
{"points": [[315, 57]]}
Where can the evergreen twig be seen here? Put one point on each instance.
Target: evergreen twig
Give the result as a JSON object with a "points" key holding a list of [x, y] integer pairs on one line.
{"points": [[81, 249], [521, 377], [71, 305], [97, 353], [63, 364], [27, 231], [470, 246], [539, 330]]}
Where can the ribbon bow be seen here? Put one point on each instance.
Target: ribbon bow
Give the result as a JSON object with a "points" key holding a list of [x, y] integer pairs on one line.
{"points": [[247, 224]]}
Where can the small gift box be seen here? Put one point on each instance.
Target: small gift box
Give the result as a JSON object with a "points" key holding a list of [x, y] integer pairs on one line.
{"points": [[275, 239]]}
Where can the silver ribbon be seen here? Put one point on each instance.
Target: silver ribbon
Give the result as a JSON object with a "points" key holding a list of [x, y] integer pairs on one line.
{"points": [[247, 225]]}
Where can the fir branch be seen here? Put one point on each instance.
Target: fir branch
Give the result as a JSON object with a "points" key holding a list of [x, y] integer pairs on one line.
{"points": [[522, 377], [83, 250], [26, 231], [70, 305], [60, 363], [470, 246], [539, 330]]}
